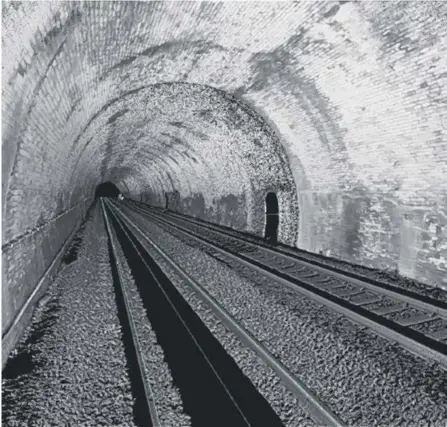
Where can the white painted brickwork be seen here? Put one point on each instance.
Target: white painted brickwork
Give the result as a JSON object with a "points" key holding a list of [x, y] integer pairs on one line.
{"points": [[353, 96]]}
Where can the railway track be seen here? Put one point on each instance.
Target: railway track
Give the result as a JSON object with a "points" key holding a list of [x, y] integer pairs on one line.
{"points": [[315, 260], [214, 390], [238, 403], [144, 408], [417, 322]]}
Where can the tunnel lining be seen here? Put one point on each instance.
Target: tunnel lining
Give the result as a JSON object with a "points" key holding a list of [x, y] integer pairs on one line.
{"points": [[243, 168], [397, 203]]}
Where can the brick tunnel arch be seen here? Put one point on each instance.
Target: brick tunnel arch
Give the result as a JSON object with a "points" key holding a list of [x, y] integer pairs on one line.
{"points": [[339, 108], [212, 159]]}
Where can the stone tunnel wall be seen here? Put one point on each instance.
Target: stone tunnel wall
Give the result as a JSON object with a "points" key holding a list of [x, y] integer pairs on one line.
{"points": [[26, 258], [338, 106]]}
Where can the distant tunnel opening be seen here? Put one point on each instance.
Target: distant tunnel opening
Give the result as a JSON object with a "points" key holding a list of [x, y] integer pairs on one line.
{"points": [[272, 218], [107, 189]]}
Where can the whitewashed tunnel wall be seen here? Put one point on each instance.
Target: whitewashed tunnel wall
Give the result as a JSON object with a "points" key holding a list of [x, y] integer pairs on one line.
{"points": [[340, 107]]}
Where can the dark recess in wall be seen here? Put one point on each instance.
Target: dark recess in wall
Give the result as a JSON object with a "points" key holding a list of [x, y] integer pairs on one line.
{"points": [[107, 189], [272, 218]]}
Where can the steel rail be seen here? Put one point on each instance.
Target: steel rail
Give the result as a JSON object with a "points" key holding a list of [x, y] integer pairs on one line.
{"points": [[318, 411], [183, 322], [404, 295], [148, 393], [414, 341]]}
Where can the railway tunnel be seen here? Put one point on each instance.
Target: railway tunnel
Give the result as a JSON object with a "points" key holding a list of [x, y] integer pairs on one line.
{"points": [[309, 129], [107, 189]]}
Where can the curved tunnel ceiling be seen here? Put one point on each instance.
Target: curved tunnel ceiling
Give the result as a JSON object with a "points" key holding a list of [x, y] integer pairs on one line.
{"points": [[182, 134], [230, 99]]}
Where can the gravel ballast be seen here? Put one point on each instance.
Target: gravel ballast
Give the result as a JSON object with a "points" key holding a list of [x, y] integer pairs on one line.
{"points": [[365, 379], [70, 367], [283, 402], [391, 277]]}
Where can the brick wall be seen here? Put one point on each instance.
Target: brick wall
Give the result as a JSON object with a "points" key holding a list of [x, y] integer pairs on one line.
{"points": [[26, 259], [340, 107]]}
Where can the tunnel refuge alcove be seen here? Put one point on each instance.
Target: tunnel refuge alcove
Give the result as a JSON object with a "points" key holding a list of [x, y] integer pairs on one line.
{"points": [[271, 217]]}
